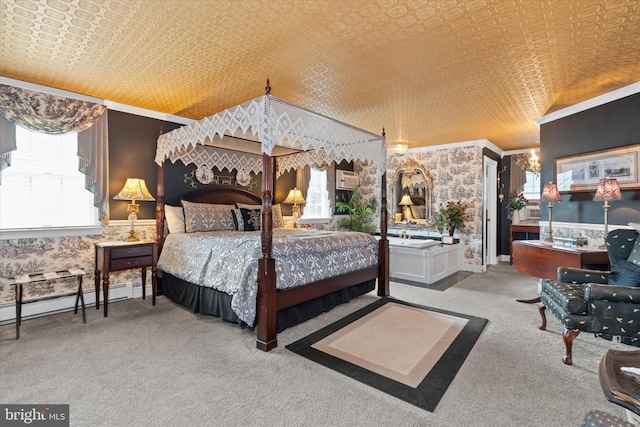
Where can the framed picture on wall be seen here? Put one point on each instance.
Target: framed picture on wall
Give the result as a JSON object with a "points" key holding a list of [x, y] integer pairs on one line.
{"points": [[581, 172]]}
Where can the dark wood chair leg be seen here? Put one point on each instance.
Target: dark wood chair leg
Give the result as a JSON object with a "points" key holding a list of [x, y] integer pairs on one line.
{"points": [[568, 335], [543, 325]]}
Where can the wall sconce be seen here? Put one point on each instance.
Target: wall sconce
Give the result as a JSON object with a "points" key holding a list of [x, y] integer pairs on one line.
{"points": [[295, 198], [134, 189], [397, 149], [608, 191], [534, 164], [500, 186], [550, 194]]}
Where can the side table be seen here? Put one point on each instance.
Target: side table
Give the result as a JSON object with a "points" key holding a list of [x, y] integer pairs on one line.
{"points": [[118, 256], [619, 375], [29, 279]]}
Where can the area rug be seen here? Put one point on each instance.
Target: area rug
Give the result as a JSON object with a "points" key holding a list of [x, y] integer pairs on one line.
{"points": [[409, 351]]}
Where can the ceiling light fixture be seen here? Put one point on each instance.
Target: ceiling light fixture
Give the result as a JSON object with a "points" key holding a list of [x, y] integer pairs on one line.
{"points": [[534, 164], [397, 149]]}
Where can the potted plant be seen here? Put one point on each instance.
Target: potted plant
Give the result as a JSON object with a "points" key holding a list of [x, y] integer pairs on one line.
{"points": [[516, 202], [453, 215], [360, 214]]}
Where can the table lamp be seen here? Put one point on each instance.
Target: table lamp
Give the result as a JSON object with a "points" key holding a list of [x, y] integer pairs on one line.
{"points": [[294, 198], [134, 189], [608, 191], [550, 194], [405, 202]]}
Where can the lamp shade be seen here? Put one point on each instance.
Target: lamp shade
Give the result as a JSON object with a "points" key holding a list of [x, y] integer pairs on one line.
{"points": [[294, 197], [406, 201], [608, 190], [550, 193], [134, 189], [397, 149]]}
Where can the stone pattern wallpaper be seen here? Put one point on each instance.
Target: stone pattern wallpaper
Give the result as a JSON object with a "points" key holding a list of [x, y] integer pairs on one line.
{"points": [[47, 254]]}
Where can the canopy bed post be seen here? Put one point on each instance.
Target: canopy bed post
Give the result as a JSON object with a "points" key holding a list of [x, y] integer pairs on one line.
{"points": [[160, 208], [266, 304], [383, 244]]}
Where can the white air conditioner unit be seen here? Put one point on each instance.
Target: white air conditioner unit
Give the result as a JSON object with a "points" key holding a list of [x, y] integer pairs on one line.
{"points": [[346, 180]]}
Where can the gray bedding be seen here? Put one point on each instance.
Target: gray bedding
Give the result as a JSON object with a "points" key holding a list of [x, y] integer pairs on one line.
{"points": [[228, 260]]}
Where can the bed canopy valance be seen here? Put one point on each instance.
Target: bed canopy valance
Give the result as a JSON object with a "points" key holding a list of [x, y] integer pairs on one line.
{"points": [[296, 136]]}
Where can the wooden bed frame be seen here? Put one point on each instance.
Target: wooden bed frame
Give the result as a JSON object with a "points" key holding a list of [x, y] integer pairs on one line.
{"points": [[270, 301]]}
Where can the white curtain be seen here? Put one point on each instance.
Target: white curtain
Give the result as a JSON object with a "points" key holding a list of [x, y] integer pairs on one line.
{"points": [[52, 114]]}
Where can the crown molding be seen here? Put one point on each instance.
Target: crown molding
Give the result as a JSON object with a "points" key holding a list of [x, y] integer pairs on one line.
{"points": [[109, 104], [632, 89], [482, 143]]}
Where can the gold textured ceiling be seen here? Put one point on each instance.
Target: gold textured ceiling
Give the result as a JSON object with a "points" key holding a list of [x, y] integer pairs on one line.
{"points": [[431, 72]]}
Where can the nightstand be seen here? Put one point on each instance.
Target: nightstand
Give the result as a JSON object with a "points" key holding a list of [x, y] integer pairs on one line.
{"points": [[118, 256]]}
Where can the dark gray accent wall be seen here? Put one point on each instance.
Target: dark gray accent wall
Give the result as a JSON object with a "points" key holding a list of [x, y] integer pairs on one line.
{"points": [[611, 125], [132, 150]]}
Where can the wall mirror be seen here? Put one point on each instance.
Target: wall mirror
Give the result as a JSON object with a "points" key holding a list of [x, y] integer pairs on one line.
{"points": [[411, 191]]}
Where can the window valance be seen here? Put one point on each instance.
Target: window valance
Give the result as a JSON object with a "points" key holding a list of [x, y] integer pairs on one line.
{"points": [[53, 114]]}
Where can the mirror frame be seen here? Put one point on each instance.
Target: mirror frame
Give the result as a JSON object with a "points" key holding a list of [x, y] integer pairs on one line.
{"points": [[413, 166]]}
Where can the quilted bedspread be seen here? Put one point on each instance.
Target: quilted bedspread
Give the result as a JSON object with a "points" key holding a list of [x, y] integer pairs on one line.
{"points": [[228, 260]]}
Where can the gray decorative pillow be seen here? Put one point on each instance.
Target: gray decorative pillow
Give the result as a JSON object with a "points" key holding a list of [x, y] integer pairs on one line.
{"points": [[624, 273], [634, 256], [278, 220], [207, 217]]}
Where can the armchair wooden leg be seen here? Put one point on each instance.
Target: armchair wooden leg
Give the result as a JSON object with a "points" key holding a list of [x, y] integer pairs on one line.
{"points": [[568, 335], [542, 326]]}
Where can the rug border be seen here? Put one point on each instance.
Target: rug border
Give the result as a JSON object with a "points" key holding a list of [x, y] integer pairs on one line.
{"points": [[430, 391]]}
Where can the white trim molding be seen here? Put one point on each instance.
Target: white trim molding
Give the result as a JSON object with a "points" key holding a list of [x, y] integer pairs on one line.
{"points": [[632, 89], [482, 143], [109, 104]]}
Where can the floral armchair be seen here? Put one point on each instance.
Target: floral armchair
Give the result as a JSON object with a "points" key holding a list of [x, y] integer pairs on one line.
{"points": [[603, 302]]}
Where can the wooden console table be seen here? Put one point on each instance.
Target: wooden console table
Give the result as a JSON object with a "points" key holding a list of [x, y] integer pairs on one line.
{"points": [[520, 228], [542, 259]]}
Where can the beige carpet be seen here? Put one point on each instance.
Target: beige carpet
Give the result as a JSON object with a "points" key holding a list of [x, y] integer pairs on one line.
{"points": [[384, 341]]}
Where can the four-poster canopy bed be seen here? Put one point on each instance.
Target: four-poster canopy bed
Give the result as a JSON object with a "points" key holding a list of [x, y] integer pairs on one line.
{"points": [[288, 137]]}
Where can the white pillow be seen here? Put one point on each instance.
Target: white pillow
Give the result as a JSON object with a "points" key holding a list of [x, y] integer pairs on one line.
{"points": [[174, 215]]}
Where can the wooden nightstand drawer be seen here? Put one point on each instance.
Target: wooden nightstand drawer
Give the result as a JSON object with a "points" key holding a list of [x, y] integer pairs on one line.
{"points": [[132, 251], [125, 263]]}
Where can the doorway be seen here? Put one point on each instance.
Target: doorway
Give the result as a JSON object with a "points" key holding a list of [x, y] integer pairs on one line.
{"points": [[489, 202]]}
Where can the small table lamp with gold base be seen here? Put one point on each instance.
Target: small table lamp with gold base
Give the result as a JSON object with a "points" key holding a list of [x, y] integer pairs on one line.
{"points": [[134, 189], [295, 198]]}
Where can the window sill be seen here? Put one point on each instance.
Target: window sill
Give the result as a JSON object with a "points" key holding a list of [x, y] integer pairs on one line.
{"points": [[304, 220], [30, 233]]}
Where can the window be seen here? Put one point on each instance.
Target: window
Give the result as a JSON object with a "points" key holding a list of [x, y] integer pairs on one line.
{"points": [[318, 203], [532, 186], [43, 187]]}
